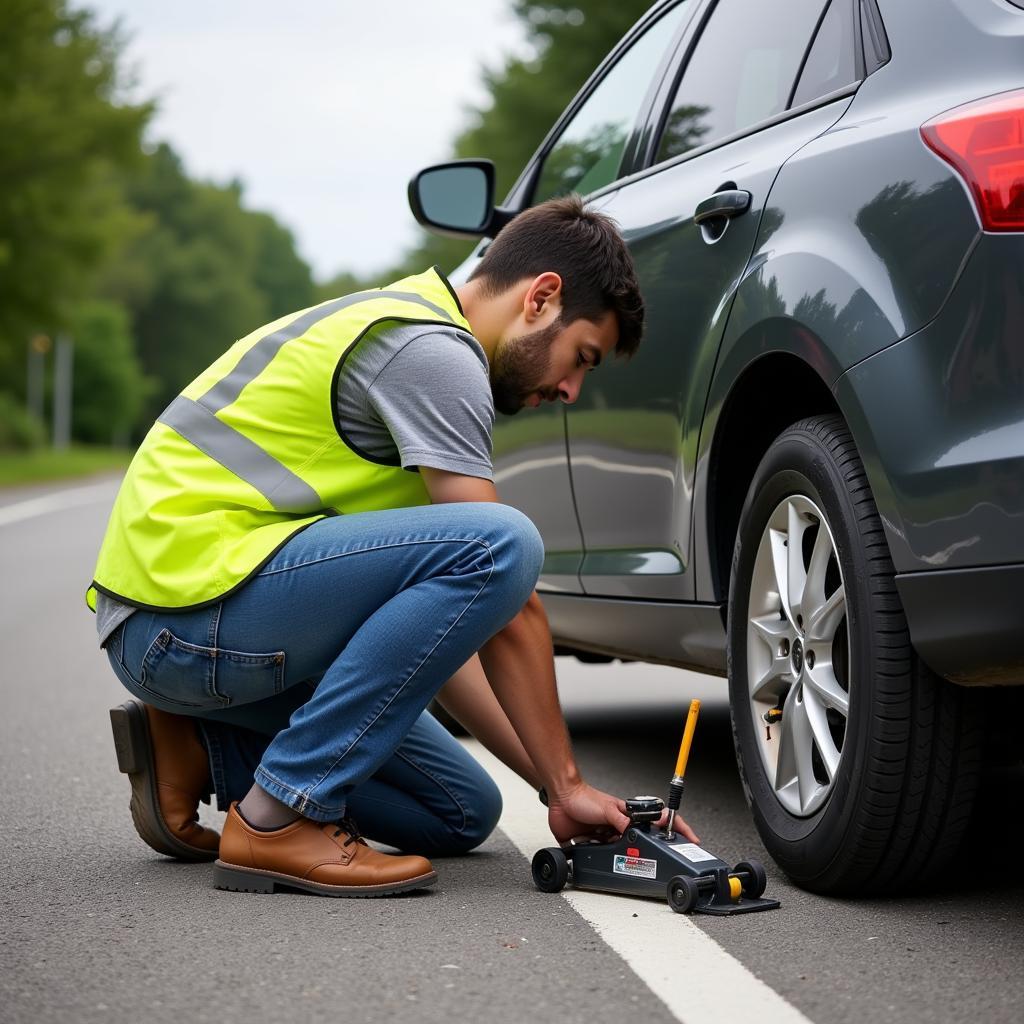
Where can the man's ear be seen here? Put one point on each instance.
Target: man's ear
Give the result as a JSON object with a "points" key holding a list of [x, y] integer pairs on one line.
{"points": [[543, 295]]}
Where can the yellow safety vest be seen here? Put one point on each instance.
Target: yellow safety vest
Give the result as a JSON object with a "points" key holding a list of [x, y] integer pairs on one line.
{"points": [[251, 452]]}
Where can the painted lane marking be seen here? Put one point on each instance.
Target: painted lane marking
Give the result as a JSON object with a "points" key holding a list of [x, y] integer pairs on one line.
{"points": [[56, 502], [685, 968]]}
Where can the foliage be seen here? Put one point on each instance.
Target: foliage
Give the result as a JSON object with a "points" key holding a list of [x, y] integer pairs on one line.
{"points": [[567, 39], [109, 386], [153, 273], [19, 430], [201, 272], [53, 464], [64, 136]]}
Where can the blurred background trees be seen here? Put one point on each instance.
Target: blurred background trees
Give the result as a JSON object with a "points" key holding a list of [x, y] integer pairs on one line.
{"points": [[153, 273]]}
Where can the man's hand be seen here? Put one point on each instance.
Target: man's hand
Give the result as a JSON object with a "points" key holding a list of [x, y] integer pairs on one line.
{"points": [[678, 826], [585, 811]]}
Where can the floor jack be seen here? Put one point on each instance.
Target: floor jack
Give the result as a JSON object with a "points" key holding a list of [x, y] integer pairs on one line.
{"points": [[645, 862]]}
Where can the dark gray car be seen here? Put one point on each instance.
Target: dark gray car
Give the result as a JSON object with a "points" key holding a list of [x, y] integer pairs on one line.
{"points": [[811, 478]]}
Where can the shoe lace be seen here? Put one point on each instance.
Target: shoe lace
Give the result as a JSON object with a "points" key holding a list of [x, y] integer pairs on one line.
{"points": [[354, 835]]}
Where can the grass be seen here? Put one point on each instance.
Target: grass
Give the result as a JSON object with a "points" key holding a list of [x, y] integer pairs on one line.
{"points": [[47, 464]]}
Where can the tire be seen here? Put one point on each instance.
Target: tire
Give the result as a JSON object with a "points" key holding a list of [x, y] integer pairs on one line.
{"points": [[550, 869], [682, 893], [877, 798], [757, 879]]}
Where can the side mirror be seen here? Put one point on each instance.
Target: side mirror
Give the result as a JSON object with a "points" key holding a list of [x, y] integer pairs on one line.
{"points": [[457, 199]]}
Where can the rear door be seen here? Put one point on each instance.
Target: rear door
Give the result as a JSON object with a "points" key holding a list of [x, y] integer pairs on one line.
{"points": [[726, 126]]}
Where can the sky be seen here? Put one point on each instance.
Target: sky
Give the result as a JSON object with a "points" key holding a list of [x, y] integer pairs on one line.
{"points": [[324, 109]]}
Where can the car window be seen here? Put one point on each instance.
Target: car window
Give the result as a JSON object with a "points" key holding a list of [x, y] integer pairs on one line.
{"points": [[741, 71], [589, 151], [830, 63]]}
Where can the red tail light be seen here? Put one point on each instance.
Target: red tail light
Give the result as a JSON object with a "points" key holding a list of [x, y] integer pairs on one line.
{"points": [[984, 141]]}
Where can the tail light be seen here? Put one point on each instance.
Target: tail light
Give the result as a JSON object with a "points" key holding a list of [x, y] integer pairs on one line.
{"points": [[984, 141]]}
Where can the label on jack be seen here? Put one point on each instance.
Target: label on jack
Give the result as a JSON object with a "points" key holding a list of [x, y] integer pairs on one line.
{"points": [[639, 867], [691, 851]]}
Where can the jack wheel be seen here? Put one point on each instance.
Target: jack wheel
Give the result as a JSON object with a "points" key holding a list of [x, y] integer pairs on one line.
{"points": [[550, 870], [682, 894], [756, 880]]}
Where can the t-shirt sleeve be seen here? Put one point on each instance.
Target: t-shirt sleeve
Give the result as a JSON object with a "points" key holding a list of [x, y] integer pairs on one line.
{"points": [[434, 397]]}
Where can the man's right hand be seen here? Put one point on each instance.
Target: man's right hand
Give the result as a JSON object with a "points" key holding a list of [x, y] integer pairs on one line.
{"points": [[585, 811]]}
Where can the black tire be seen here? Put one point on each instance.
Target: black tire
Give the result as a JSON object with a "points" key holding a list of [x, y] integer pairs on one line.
{"points": [[550, 869], [682, 893], [756, 881], [911, 751]]}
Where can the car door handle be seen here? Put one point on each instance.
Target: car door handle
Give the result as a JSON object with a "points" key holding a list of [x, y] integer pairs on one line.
{"points": [[729, 203]]}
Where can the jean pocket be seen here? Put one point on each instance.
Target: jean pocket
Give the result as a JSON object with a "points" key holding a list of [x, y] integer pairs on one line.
{"points": [[209, 677]]}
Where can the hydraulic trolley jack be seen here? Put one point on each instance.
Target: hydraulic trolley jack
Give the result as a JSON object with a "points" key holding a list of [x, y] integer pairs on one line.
{"points": [[647, 862]]}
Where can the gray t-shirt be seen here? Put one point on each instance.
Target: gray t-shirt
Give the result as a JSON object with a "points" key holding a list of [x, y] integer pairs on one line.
{"points": [[409, 392]]}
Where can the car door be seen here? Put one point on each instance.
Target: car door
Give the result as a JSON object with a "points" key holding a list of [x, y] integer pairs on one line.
{"points": [[691, 219], [586, 152]]}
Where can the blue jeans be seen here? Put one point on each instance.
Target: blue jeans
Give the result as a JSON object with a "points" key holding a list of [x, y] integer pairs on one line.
{"points": [[313, 677]]}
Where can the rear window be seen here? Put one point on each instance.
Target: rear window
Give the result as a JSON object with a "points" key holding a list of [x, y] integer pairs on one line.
{"points": [[741, 72], [830, 64]]}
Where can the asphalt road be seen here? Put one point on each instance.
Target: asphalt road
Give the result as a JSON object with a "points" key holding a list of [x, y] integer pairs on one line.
{"points": [[94, 926]]}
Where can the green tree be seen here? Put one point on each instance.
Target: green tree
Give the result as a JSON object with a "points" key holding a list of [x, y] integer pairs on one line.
{"points": [[200, 272], [109, 386], [66, 133], [568, 39]]}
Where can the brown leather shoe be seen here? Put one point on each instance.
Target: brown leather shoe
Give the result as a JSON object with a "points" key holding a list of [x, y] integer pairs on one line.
{"points": [[326, 859], [169, 771]]}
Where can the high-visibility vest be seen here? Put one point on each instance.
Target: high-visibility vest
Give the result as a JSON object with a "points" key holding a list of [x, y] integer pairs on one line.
{"points": [[251, 452]]}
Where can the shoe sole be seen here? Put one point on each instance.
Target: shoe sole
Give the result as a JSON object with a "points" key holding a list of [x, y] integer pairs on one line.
{"points": [[134, 747], [236, 878]]}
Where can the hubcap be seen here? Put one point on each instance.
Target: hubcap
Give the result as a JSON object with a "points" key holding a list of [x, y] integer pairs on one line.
{"points": [[798, 655]]}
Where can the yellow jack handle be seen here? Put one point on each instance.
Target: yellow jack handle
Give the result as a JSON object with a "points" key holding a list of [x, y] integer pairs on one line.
{"points": [[684, 746], [675, 789]]}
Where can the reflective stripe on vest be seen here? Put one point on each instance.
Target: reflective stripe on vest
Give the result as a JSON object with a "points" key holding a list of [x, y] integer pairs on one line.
{"points": [[196, 421]]}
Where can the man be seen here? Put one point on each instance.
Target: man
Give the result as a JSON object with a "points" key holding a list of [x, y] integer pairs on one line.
{"points": [[308, 546]]}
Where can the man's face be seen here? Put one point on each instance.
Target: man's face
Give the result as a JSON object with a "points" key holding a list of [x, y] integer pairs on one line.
{"points": [[549, 363]]}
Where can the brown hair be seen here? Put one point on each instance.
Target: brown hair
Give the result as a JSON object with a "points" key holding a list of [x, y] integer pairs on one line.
{"points": [[585, 249]]}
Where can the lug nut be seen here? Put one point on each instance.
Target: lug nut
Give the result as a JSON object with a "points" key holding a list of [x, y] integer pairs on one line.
{"points": [[810, 659]]}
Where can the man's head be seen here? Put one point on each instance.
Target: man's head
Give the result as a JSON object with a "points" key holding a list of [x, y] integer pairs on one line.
{"points": [[554, 294]]}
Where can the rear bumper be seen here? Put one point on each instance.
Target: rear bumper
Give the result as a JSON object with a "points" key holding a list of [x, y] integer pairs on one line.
{"points": [[968, 624]]}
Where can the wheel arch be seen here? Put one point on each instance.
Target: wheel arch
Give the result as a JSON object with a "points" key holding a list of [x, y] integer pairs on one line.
{"points": [[747, 421]]}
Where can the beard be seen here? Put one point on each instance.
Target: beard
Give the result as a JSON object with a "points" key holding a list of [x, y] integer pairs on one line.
{"points": [[519, 366]]}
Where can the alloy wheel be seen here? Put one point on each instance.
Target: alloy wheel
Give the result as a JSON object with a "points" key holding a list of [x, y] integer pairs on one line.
{"points": [[798, 661]]}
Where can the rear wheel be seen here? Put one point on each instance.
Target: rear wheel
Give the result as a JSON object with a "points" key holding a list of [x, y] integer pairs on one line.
{"points": [[550, 870], [682, 894], [859, 763]]}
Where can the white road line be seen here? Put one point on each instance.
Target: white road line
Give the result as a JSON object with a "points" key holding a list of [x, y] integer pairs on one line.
{"points": [[56, 502], [697, 980]]}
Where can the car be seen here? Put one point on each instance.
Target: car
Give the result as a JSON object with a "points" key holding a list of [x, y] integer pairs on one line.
{"points": [[811, 477]]}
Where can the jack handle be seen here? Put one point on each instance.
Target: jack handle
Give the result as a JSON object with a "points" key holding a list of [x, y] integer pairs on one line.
{"points": [[675, 789]]}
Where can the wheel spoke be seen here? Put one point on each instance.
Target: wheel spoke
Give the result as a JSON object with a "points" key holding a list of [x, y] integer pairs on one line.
{"points": [[797, 724], [776, 675], [822, 734], [821, 680], [813, 596], [825, 622], [796, 575], [781, 568], [786, 769]]}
